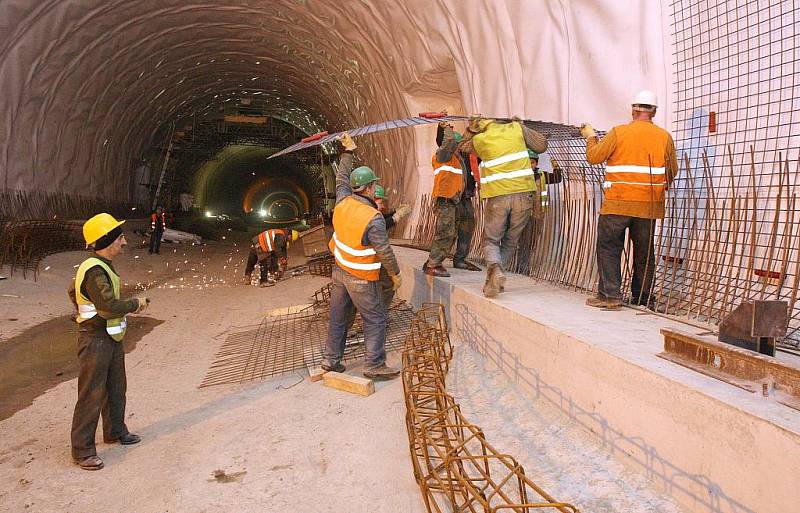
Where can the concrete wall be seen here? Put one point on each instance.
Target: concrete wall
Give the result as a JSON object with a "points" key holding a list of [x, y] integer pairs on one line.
{"points": [[712, 446]]}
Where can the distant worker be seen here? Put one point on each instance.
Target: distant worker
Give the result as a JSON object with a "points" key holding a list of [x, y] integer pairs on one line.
{"points": [[269, 250], [101, 356], [158, 223], [507, 184], [640, 166], [361, 249], [542, 179], [453, 189]]}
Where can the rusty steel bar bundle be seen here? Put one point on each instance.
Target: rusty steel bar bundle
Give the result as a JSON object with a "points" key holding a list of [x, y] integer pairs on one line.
{"points": [[454, 465], [24, 244]]}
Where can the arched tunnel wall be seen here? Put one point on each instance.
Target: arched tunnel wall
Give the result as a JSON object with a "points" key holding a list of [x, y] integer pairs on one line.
{"points": [[90, 87]]}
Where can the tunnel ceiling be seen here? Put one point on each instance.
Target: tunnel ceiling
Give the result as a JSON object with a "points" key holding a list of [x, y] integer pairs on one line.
{"points": [[89, 87]]}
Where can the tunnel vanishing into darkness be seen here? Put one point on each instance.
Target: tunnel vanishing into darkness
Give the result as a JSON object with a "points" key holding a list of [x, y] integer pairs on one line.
{"points": [[96, 94]]}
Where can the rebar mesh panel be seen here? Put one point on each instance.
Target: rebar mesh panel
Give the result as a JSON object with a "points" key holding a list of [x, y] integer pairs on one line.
{"points": [[285, 343]]}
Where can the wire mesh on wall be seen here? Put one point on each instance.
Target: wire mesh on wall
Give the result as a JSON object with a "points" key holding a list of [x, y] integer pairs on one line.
{"points": [[729, 234]]}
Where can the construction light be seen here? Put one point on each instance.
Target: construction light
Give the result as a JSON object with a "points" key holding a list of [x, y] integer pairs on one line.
{"points": [[262, 213], [209, 214]]}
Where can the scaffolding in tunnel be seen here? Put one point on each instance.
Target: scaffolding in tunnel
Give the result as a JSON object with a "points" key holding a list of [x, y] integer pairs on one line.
{"points": [[731, 232]]}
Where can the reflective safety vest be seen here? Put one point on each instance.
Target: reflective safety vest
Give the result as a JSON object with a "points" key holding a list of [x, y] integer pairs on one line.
{"points": [[154, 218], [505, 166], [266, 240], [448, 177], [636, 170], [350, 220], [541, 187], [86, 309]]}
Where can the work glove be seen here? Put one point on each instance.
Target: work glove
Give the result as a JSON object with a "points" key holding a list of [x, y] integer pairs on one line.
{"points": [[144, 302], [347, 142], [587, 131], [402, 211], [396, 281], [474, 125]]}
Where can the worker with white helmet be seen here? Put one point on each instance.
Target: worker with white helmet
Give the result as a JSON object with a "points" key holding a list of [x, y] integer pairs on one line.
{"points": [[101, 357], [640, 166]]}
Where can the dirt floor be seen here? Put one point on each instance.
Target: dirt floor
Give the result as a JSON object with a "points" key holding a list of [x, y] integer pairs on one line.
{"points": [[280, 445]]}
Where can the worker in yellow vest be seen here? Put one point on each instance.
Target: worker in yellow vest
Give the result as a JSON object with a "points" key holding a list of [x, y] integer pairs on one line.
{"points": [[453, 189], [507, 184], [101, 316], [542, 179], [640, 166], [361, 249]]}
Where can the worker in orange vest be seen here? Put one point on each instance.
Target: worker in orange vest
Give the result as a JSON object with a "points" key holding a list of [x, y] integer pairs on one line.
{"points": [[640, 166], [453, 189], [269, 249], [158, 223], [361, 249]]}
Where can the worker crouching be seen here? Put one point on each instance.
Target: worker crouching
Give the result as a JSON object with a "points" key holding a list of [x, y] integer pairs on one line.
{"points": [[361, 249], [101, 315], [269, 249]]}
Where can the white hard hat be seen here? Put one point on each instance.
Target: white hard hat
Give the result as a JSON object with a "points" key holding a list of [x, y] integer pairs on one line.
{"points": [[645, 97]]}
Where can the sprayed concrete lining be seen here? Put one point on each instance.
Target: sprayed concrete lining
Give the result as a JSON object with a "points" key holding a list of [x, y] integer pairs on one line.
{"points": [[711, 446]]}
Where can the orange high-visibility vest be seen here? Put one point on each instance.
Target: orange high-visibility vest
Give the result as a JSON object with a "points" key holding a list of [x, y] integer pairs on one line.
{"points": [[448, 177], [154, 218], [636, 170], [266, 240], [350, 220]]}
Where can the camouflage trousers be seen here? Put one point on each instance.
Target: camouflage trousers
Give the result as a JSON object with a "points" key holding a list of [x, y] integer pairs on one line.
{"points": [[455, 222]]}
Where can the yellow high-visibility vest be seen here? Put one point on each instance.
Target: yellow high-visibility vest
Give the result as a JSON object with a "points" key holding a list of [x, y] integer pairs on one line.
{"points": [[505, 166], [86, 310]]}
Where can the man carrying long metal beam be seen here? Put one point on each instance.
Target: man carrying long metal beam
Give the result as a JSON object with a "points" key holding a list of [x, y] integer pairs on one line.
{"points": [[640, 166], [453, 189], [507, 185], [361, 249]]}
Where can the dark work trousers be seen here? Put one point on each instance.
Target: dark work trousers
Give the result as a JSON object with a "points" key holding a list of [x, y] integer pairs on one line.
{"points": [[455, 222], [101, 390], [387, 294], [155, 240], [348, 292], [269, 262], [610, 245]]}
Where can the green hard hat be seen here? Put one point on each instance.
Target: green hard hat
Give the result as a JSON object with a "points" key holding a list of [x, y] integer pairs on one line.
{"points": [[362, 176], [458, 137], [379, 192], [533, 155]]}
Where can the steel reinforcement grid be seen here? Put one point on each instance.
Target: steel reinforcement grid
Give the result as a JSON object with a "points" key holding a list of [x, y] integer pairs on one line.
{"points": [[454, 465]]}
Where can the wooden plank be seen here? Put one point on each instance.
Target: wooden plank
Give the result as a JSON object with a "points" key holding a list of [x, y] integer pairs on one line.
{"points": [[316, 374], [348, 383]]}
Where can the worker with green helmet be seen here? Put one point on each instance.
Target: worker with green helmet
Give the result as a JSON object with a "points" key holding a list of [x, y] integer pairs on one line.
{"points": [[541, 180], [453, 190], [361, 250], [101, 316]]}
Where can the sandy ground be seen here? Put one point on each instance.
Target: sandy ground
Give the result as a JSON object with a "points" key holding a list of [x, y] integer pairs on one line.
{"points": [[283, 445]]}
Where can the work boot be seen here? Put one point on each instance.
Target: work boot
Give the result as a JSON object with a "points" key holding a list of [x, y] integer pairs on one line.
{"points": [[439, 271], [126, 439], [333, 367], [604, 303], [467, 266], [381, 373], [495, 281], [248, 279], [268, 283], [90, 463]]}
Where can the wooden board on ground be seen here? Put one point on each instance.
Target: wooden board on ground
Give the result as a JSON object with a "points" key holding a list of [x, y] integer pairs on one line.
{"points": [[315, 374], [348, 383]]}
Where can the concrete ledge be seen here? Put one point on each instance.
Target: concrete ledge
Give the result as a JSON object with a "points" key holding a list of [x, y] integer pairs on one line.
{"points": [[712, 446]]}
